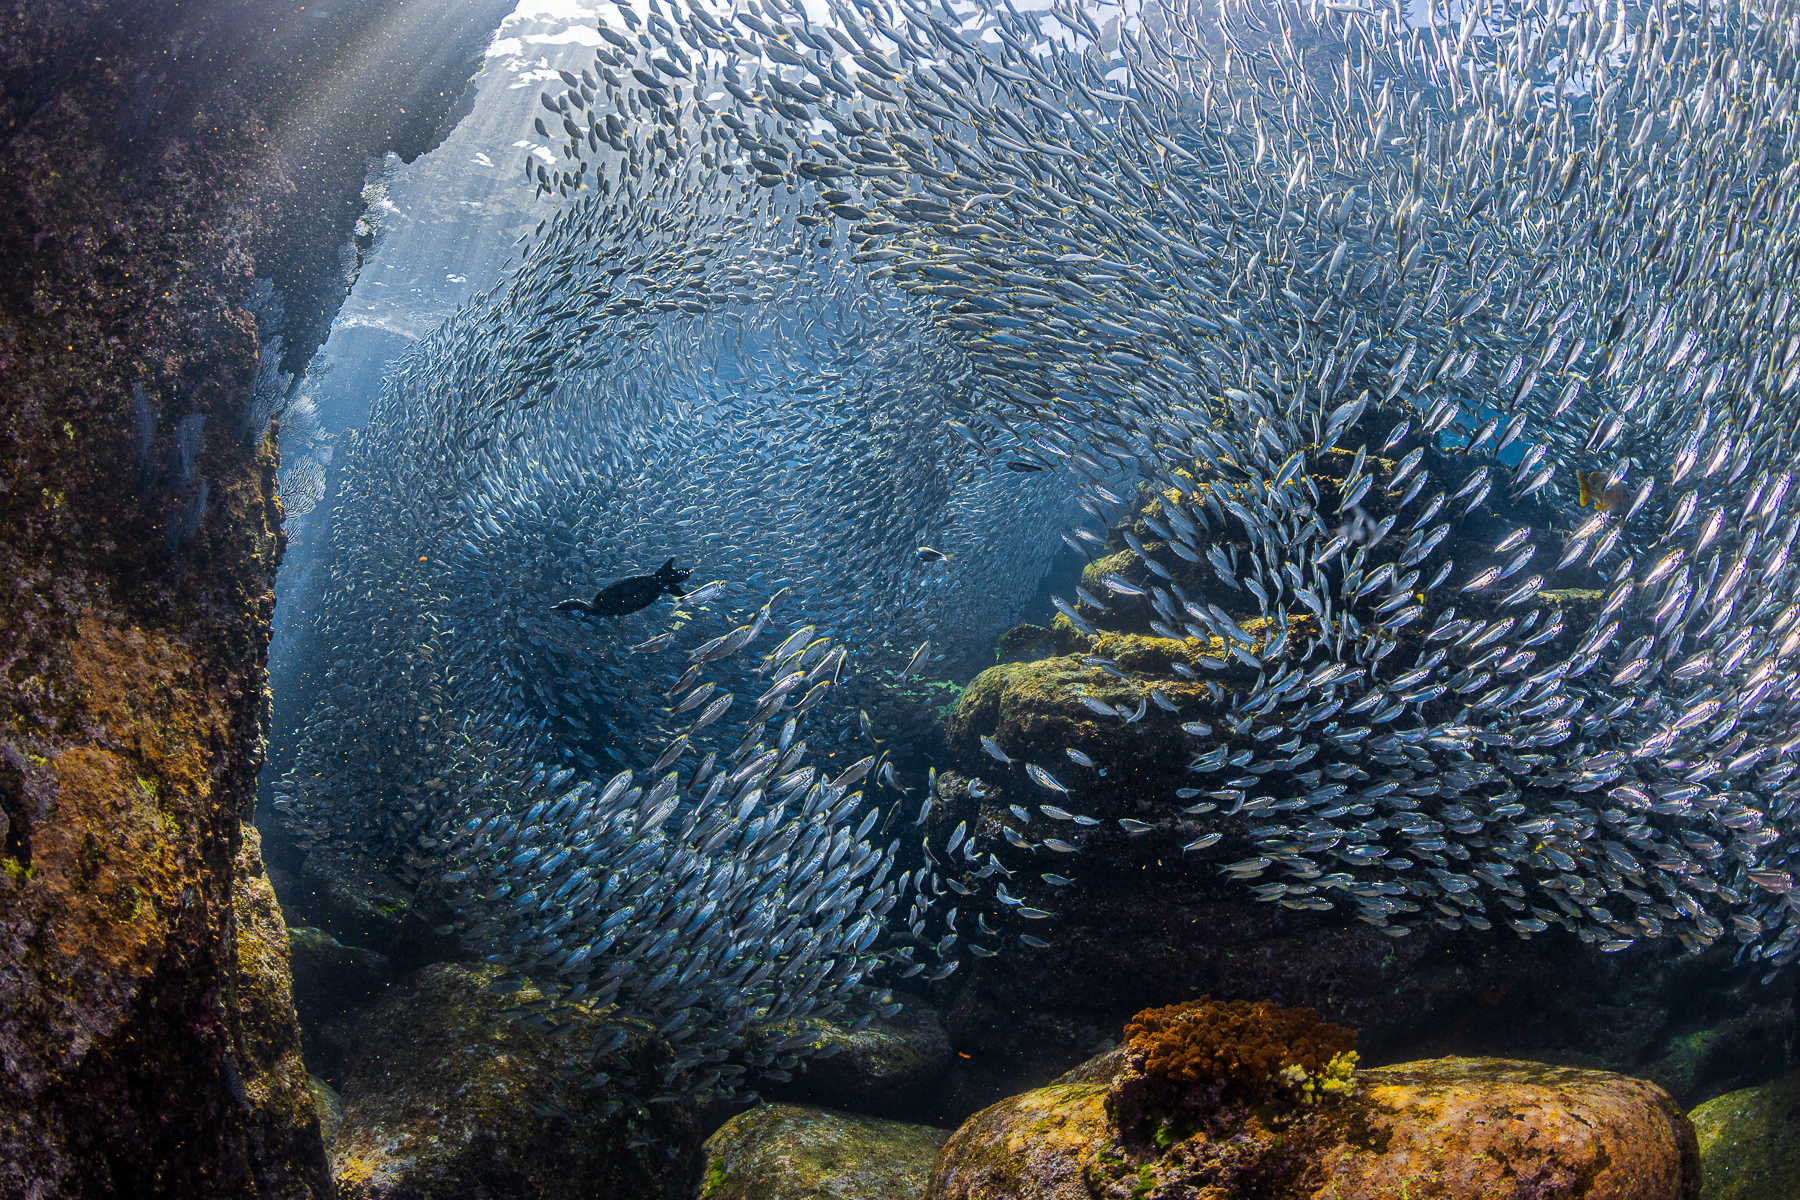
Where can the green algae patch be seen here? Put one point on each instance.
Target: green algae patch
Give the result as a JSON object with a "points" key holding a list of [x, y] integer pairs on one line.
{"points": [[1750, 1142]]}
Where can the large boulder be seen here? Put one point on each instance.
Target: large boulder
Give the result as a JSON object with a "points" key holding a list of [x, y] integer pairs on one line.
{"points": [[448, 1096], [1146, 922], [797, 1152], [1455, 1129], [1750, 1142]]}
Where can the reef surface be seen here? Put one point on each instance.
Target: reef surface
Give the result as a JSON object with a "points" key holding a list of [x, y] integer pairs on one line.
{"points": [[156, 162]]}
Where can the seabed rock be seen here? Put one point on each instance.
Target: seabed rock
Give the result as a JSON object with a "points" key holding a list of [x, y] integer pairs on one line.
{"points": [[797, 1152], [1750, 1142], [1454, 1129], [447, 1098], [332, 982], [1145, 924], [886, 1068]]}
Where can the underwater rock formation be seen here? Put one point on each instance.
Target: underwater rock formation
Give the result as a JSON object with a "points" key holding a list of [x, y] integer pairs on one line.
{"points": [[1465, 1129], [796, 1152], [1143, 926], [1750, 1141], [887, 1068], [454, 1090], [332, 982], [155, 159]]}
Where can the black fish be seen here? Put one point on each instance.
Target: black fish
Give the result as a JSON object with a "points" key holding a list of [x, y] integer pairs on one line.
{"points": [[1022, 467], [629, 594]]}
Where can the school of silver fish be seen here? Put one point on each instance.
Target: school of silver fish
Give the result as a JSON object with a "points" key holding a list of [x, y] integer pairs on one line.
{"points": [[1444, 350]]}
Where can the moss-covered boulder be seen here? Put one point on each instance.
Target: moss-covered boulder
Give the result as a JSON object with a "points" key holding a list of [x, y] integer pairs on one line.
{"points": [[1750, 1142], [795, 1152], [1504, 1130], [886, 1068], [1024, 642], [328, 1105], [448, 1098], [267, 1062], [1454, 1129]]}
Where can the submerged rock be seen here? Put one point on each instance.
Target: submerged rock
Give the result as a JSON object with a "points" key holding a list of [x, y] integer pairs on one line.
{"points": [[1750, 1142], [331, 982], [447, 1097], [796, 1152], [1145, 923], [1457, 1129], [329, 1105], [886, 1068]]}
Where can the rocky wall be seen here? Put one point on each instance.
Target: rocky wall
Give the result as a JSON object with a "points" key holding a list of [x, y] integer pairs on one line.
{"points": [[155, 160]]}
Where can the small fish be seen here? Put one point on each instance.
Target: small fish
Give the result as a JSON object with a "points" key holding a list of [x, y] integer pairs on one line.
{"points": [[1202, 842], [1078, 757], [1044, 779], [994, 750], [659, 642], [1597, 495], [1134, 827], [928, 555]]}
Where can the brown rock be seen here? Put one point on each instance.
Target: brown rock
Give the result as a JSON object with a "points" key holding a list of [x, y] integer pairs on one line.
{"points": [[1453, 1129], [797, 1152], [1499, 1130], [282, 1117]]}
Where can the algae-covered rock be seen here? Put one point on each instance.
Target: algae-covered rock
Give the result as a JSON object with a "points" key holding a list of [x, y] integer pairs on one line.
{"points": [[886, 1068], [1750, 1142], [329, 1106], [794, 1152], [1022, 642], [448, 1098], [1453, 1129], [1498, 1130], [1039, 1145], [272, 1084]]}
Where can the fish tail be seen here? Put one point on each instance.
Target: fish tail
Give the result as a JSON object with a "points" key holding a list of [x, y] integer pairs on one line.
{"points": [[1587, 497]]}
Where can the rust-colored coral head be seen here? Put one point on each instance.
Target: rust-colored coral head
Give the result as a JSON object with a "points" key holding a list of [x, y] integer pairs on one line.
{"points": [[1248, 1044]]}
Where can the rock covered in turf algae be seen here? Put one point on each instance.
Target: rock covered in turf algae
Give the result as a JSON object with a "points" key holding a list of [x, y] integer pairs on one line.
{"points": [[885, 1068], [1750, 1142], [796, 1152], [446, 1097], [1218, 1104]]}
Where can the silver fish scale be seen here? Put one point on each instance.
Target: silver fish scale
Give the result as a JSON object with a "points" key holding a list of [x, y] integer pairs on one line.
{"points": [[803, 368]]}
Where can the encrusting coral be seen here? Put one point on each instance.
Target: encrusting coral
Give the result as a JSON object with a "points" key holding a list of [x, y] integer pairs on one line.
{"points": [[1263, 1052]]}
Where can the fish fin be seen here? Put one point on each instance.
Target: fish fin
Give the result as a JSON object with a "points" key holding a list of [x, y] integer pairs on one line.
{"points": [[668, 568], [1582, 481]]}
